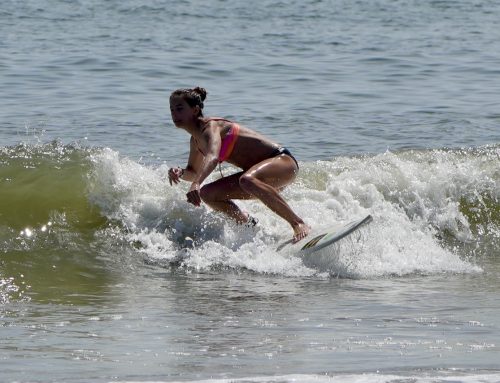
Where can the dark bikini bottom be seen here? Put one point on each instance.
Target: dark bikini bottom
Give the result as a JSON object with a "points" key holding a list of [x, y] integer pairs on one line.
{"points": [[282, 150]]}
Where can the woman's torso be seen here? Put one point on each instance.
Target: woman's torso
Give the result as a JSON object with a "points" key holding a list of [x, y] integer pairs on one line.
{"points": [[249, 147]]}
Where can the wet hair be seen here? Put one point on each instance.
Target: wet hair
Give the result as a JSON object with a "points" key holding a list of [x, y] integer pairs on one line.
{"points": [[194, 97]]}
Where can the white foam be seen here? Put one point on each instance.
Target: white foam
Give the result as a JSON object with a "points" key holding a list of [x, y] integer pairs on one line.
{"points": [[356, 378], [409, 199]]}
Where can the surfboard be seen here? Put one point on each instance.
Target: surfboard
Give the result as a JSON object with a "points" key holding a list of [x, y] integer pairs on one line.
{"points": [[327, 237]]}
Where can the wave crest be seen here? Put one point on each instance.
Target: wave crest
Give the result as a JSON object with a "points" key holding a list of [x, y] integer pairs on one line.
{"points": [[434, 211]]}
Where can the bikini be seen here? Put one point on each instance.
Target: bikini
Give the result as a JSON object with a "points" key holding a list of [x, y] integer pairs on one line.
{"points": [[282, 150], [231, 137], [229, 140]]}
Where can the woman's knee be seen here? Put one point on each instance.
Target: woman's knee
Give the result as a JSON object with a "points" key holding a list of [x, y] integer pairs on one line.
{"points": [[247, 183], [206, 193]]}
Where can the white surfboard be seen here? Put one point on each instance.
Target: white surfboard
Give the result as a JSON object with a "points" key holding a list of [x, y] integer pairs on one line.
{"points": [[328, 237]]}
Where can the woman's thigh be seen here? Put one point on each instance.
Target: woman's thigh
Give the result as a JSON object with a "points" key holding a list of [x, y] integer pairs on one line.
{"points": [[225, 188], [277, 171]]}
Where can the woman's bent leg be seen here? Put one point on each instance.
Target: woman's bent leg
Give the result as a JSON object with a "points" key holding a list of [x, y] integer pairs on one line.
{"points": [[265, 179], [262, 181], [219, 194]]}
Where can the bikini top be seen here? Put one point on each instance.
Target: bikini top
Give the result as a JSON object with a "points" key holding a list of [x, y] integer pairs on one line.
{"points": [[228, 141]]}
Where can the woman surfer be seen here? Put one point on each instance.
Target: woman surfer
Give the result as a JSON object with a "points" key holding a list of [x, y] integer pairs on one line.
{"points": [[266, 167]]}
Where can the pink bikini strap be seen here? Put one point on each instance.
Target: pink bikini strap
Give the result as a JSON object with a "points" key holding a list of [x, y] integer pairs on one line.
{"points": [[228, 142]]}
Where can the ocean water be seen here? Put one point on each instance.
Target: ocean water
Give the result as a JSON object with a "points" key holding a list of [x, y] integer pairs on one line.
{"points": [[391, 108]]}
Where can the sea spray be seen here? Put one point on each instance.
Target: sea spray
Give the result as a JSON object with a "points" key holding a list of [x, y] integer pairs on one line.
{"points": [[396, 188]]}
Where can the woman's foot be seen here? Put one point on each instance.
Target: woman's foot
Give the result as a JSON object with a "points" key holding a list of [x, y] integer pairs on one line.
{"points": [[251, 221], [300, 231]]}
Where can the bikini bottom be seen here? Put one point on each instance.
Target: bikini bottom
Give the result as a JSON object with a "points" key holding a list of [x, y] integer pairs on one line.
{"points": [[282, 150]]}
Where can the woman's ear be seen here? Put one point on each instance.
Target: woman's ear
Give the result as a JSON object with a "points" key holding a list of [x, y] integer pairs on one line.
{"points": [[197, 110]]}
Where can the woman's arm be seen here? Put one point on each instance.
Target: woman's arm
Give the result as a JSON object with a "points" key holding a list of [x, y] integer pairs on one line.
{"points": [[211, 139], [195, 162], [193, 166]]}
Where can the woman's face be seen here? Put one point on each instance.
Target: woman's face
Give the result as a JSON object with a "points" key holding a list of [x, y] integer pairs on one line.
{"points": [[182, 114]]}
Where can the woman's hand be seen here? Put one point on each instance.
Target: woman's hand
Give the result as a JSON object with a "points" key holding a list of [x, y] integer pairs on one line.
{"points": [[193, 195], [174, 175]]}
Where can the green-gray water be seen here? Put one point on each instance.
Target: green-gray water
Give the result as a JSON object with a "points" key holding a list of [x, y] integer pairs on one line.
{"points": [[391, 109]]}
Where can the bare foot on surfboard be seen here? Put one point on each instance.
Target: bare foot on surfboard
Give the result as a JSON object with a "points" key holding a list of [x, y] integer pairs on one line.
{"points": [[300, 231]]}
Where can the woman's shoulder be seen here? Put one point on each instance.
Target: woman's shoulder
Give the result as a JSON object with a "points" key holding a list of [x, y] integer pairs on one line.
{"points": [[217, 125], [217, 121]]}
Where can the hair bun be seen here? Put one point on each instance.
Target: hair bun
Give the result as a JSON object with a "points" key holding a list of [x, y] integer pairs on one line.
{"points": [[202, 92]]}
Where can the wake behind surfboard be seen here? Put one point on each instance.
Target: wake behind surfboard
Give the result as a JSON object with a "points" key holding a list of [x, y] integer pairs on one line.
{"points": [[327, 237]]}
